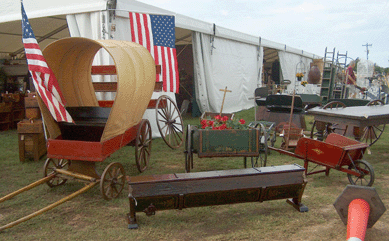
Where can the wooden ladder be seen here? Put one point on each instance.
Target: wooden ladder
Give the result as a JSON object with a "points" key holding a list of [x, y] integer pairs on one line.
{"points": [[340, 83], [328, 76]]}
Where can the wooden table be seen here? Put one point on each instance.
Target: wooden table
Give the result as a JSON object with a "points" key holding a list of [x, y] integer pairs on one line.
{"points": [[358, 116]]}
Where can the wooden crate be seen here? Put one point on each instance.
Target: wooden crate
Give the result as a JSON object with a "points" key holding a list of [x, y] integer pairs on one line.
{"points": [[32, 107], [32, 142], [5, 116]]}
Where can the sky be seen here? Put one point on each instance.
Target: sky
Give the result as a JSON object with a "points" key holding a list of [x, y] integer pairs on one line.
{"points": [[313, 26]]}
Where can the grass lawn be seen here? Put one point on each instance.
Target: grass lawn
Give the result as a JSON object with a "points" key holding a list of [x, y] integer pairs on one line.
{"points": [[90, 217]]}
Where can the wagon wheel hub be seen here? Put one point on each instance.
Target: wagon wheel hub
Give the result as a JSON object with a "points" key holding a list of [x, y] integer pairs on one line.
{"points": [[114, 181], [171, 122]]}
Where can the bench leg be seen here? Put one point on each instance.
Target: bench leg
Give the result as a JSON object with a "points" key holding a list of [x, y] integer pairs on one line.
{"points": [[131, 216], [296, 201]]}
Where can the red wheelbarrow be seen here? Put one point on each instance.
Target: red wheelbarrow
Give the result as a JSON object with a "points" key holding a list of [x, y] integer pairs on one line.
{"points": [[336, 152]]}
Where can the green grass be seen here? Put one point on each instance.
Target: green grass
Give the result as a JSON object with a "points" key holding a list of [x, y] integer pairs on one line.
{"points": [[90, 217]]}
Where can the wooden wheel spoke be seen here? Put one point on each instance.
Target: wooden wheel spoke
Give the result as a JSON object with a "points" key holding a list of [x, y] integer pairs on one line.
{"points": [[145, 161], [167, 130], [108, 191], [139, 148], [115, 191], [170, 116], [163, 127], [176, 129], [147, 142], [147, 133], [50, 168], [164, 115], [112, 183], [178, 133], [172, 110], [174, 133], [165, 110], [176, 117], [116, 173], [143, 146]]}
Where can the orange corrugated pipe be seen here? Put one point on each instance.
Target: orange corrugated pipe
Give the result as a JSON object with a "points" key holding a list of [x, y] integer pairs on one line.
{"points": [[358, 216]]}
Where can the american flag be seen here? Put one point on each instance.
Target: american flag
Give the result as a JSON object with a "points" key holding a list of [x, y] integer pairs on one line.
{"points": [[43, 77], [157, 34]]}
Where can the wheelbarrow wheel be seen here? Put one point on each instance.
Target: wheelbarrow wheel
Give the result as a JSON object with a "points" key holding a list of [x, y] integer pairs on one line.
{"points": [[188, 149], [169, 122], [112, 181], [49, 168], [371, 134], [143, 145], [366, 171]]}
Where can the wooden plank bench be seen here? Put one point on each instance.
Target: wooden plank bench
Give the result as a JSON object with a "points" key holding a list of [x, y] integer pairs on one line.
{"points": [[185, 190]]}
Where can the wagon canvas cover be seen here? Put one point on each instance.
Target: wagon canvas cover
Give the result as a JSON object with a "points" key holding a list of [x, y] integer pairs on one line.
{"points": [[71, 61]]}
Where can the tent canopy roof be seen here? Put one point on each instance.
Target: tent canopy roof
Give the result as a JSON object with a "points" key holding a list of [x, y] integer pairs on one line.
{"points": [[48, 19]]}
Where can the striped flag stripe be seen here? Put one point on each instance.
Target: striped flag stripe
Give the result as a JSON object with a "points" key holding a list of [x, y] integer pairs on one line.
{"points": [[43, 77]]}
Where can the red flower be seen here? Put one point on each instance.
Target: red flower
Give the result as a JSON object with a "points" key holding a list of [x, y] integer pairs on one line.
{"points": [[215, 128], [204, 122], [225, 118], [210, 123], [241, 121], [218, 117], [223, 126]]}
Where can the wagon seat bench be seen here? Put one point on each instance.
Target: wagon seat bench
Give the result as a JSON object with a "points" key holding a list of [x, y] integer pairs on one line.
{"points": [[185, 190]]}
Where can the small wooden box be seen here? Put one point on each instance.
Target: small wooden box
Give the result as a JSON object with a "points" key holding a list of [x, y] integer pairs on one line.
{"points": [[33, 113], [32, 107], [32, 142]]}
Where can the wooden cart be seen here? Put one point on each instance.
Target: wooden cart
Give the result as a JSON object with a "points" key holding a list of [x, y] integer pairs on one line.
{"points": [[226, 143], [367, 123], [336, 152], [73, 149]]}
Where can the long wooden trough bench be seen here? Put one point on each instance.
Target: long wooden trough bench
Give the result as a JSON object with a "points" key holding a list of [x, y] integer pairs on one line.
{"points": [[184, 190]]}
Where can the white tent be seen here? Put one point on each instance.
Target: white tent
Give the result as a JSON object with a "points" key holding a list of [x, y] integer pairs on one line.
{"points": [[221, 57]]}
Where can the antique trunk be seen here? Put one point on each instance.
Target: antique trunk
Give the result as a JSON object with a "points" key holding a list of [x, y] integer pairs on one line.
{"points": [[32, 142]]}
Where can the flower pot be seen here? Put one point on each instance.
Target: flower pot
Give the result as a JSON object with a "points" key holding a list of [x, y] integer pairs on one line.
{"points": [[213, 143]]}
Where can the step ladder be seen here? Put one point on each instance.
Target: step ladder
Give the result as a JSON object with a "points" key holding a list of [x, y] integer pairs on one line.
{"points": [[329, 71], [339, 90]]}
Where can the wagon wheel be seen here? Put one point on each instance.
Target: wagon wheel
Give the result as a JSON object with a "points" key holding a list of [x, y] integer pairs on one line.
{"points": [[112, 181], [371, 134], [263, 146], [366, 171], [143, 145], [329, 127], [49, 168], [188, 149], [169, 122], [263, 150]]}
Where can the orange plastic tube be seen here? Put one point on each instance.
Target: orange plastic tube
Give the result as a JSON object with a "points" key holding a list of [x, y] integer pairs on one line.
{"points": [[358, 216]]}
